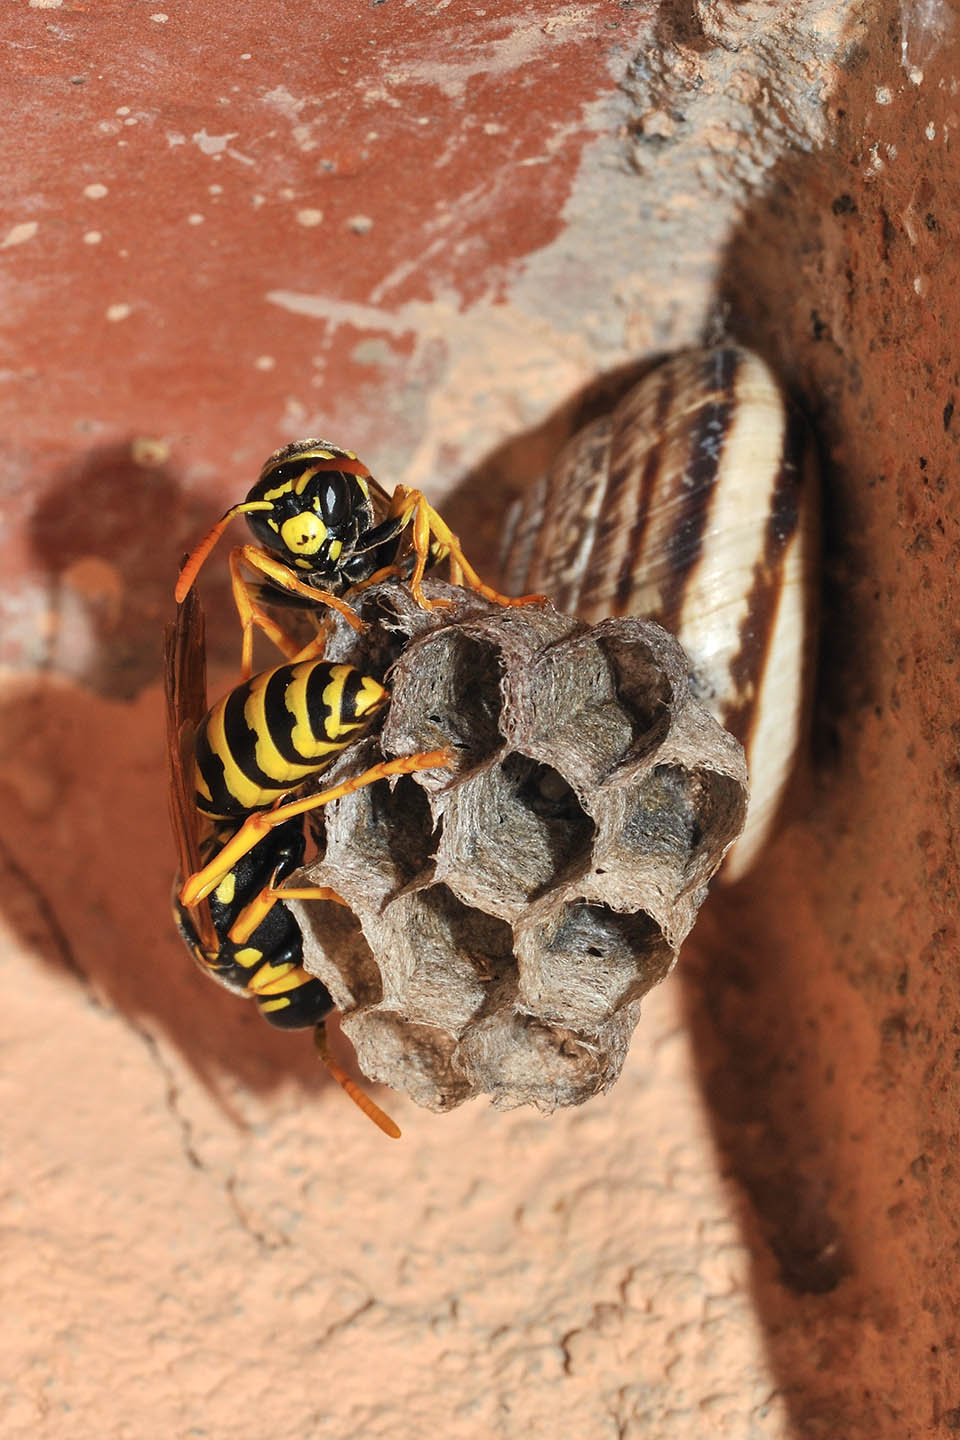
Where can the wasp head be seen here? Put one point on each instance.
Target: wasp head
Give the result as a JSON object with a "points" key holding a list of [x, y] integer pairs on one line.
{"points": [[312, 507]]}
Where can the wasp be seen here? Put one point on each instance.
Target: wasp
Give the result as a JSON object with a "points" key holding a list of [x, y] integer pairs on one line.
{"points": [[324, 526], [232, 767]]}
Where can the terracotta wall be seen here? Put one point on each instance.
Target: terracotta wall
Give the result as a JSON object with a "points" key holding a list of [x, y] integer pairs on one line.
{"points": [[441, 234]]}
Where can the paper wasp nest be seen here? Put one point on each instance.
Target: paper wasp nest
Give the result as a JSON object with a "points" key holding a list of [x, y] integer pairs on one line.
{"points": [[513, 910]]}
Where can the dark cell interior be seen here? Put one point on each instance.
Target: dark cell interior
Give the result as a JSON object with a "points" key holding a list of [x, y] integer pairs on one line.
{"points": [[336, 930], [455, 952], [642, 689], [460, 703], [592, 960], [677, 809], [528, 832]]}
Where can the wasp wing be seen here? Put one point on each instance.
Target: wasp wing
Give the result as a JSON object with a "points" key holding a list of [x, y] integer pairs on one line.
{"points": [[185, 685]]}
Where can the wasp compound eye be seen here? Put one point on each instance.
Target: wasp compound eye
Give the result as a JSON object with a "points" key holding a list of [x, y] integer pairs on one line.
{"points": [[335, 501]]}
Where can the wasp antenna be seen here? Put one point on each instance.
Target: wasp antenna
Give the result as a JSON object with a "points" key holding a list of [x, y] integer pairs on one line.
{"points": [[191, 566], [369, 1107]]}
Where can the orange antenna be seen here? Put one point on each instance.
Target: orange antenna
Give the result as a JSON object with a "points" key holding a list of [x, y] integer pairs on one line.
{"points": [[195, 559], [369, 1107]]}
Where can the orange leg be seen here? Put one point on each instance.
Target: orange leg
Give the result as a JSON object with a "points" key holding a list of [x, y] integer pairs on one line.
{"points": [[259, 908], [253, 829], [193, 562], [425, 523], [251, 614]]}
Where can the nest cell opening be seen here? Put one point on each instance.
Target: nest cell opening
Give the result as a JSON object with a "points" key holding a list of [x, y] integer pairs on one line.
{"points": [[448, 691], [588, 961], [349, 968], [643, 690], [393, 830], [447, 956], [517, 831], [685, 818]]}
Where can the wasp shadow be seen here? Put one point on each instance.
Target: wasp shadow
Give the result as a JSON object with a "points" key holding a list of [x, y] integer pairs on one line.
{"points": [[108, 536]]}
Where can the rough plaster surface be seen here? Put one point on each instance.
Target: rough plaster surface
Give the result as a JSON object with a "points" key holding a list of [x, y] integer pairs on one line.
{"points": [[755, 1234]]}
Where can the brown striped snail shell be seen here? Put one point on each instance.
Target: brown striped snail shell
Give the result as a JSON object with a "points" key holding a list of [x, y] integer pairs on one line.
{"points": [[695, 504]]}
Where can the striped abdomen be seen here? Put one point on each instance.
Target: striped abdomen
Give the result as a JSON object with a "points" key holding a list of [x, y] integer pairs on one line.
{"points": [[277, 730], [266, 966], [694, 505]]}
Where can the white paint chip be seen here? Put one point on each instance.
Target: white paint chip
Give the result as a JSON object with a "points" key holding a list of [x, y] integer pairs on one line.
{"points": [[95, 191], [17, 234], [92, 237], [195, 219], [212, 144], [309, 218], [360, 224], [118, 312], [45, 4], [265, 362], [931, 131], [122, 110], [883, 95], [159, 18]]}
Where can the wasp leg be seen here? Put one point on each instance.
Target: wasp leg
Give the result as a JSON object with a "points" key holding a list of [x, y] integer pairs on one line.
{"points": [[252, 615], [197, 886], [368, 1106], [259, 908], [425, 523]]}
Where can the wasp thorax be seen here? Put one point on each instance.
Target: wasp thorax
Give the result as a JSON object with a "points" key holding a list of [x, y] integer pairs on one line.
{"points": [[514, 909]]}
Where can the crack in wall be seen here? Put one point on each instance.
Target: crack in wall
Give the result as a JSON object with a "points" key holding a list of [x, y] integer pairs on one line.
{"points": [[266, 1244], [49, 920], [171, 1097]]}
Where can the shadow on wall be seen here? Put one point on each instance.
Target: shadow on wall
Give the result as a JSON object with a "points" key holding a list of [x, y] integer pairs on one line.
{"points": [[812, 1063], [108, 537]]}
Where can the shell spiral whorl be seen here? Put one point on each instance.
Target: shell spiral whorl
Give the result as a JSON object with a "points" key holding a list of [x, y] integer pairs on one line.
{"points": [[694, 504]]}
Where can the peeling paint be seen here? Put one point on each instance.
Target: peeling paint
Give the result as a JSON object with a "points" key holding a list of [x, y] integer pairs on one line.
{"points": [[19, 234]]}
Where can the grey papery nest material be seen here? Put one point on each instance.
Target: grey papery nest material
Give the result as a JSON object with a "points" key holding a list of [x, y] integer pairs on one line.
{"points": [[513, 910]]}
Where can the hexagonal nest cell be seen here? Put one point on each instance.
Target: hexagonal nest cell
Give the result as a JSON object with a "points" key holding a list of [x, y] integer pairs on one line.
{"points": [[515, 907]]}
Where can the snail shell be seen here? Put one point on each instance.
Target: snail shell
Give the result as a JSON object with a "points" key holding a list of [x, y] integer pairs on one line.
{"points": [[694, 504]]}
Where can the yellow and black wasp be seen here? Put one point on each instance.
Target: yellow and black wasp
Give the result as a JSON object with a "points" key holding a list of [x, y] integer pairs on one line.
{"points": [[324, 526], [235, 765]]}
